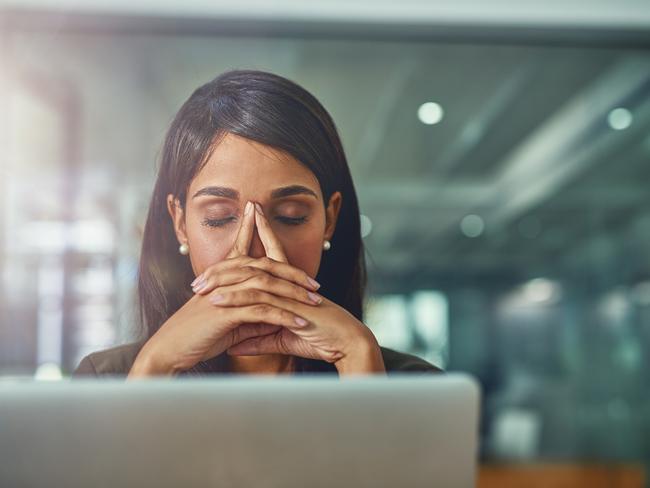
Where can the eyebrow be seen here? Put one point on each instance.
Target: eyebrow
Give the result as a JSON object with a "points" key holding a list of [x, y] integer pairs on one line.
{"points": [[232, 194]]}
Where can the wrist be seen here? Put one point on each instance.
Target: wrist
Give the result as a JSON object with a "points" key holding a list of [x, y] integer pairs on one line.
{"points": [[149, 364], [364, 358]]}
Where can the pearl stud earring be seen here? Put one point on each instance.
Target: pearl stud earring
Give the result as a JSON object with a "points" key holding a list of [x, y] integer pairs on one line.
{"points": [[184, 249], [327, 245]]}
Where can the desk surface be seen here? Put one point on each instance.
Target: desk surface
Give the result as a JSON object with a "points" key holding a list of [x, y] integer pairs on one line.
{"points": [[561, 476]]}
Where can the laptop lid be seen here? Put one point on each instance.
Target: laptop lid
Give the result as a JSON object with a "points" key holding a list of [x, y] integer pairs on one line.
{"points": [[243, 431]]}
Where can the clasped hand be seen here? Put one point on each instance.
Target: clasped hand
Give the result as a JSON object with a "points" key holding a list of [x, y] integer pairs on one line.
{"points": [[252, 306]]}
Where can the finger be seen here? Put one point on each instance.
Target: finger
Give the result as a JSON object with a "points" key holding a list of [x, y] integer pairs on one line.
{"points": [[245, 235], [229, 271], [218, 268], [223, 277], [268, 344], [262, 312], [284, 270], [282, 342], [271, 244], [276, 295], [243, 332], [246, 331]]}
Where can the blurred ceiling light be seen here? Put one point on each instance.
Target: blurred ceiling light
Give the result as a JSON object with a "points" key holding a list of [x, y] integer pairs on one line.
{"points": [[619, 118], [430, 113], [366, 225], [541, 290], [472, 225], [531, 297]]}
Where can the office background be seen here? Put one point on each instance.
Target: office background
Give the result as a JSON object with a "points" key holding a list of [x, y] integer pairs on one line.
{"points": [[501, 154]]}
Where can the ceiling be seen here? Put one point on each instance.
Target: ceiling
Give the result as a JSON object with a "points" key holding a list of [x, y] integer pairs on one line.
{"points": [[525, 144]]}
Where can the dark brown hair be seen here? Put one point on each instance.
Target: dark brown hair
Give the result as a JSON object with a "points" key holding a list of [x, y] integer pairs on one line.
{"points": [[272, 110]]}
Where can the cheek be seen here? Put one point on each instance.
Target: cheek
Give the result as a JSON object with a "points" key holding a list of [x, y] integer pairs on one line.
{"points": [[207, 245], [303, 247]]}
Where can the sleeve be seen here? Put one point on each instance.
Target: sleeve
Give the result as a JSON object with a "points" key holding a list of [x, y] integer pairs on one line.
{"points": [[85, 368], [417, 367], [398, 362]]}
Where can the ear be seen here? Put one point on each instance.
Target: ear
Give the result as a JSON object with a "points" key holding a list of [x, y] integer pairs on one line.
{"points": [[332, 213], [178, 218]]}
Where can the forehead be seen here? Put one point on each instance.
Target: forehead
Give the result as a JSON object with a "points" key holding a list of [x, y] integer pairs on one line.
{"points": [[252, 168]]}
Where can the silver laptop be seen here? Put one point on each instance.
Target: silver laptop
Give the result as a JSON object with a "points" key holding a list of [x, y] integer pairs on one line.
{"points": [[240, 432]]}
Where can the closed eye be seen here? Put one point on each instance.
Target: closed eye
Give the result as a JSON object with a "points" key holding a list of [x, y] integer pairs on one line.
{"points": [[227, 220], [292, 220], [218, 222]]}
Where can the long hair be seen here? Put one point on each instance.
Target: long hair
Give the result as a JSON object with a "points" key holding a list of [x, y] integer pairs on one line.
{"points": [[272, 110]]}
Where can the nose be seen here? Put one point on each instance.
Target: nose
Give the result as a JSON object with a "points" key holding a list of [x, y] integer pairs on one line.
{"points": [[257, 248]]}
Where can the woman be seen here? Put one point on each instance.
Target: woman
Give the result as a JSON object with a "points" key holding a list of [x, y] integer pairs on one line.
{"points": [[253, 200]]}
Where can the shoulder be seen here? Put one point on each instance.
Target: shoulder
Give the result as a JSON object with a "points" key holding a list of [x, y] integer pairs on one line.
{"points": [[114, 361], [399, 362]]}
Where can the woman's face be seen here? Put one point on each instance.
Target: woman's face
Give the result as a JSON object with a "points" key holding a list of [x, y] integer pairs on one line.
{"points": [[240, 170]]}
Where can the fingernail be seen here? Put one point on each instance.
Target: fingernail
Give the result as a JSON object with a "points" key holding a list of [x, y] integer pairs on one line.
{"points": [[247, 208], [313, 282], [300, 321], [200, 282], [216, 298], [196, 280], [198, 287], [258, 207], [314, 298]]}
